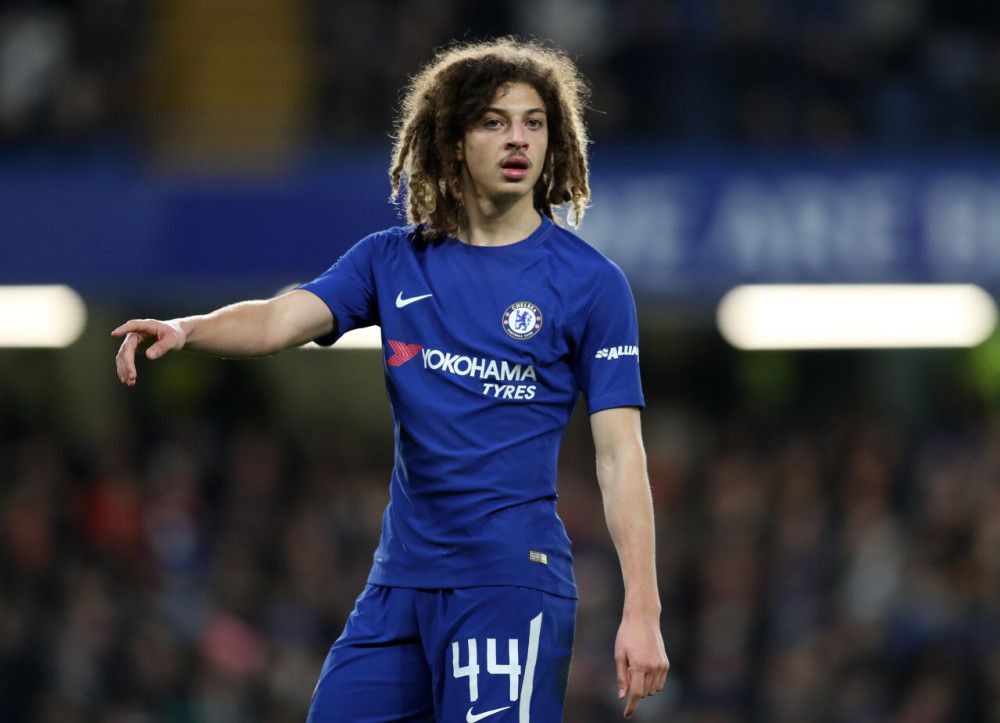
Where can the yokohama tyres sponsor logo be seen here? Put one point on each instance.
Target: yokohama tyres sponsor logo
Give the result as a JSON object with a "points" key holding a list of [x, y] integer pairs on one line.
{"points": [[486, 369], [491, 371], [479, 367], [616, 351]]}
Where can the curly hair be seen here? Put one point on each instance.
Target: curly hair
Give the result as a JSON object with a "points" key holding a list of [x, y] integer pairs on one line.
{"points": [[453, 91]]}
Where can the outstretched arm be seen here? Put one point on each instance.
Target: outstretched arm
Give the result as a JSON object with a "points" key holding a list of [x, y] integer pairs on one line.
{"points": [[640, 657], [245, 329]]}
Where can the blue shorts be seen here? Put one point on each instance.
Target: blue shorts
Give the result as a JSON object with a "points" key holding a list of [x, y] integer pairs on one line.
{"points": [[492, 654]]}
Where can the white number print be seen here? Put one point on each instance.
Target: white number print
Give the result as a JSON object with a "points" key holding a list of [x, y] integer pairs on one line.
{"points": [[471, 670], [512, 668], [518, 688]]}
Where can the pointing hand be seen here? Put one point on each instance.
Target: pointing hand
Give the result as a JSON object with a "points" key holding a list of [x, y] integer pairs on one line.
{"points": [[168, 335]]}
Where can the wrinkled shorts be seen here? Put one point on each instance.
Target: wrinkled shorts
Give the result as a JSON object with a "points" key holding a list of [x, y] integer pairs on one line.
{"points": [[495, 654]]}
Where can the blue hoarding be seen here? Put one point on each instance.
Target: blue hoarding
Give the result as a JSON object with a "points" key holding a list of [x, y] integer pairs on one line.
{"points": [[680, 224]]}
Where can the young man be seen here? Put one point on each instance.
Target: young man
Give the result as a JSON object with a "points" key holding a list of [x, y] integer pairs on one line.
{"points": [[494, 319]]}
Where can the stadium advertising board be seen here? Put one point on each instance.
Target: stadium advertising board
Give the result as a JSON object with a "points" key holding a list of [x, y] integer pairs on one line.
{"points": [[678, 224]]}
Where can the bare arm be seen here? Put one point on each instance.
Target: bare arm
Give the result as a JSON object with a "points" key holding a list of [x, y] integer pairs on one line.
{"points": [[640, 657], [245, 329]]}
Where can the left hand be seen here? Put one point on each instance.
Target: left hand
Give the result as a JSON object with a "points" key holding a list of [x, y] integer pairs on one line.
{"points": [[640, 659]]}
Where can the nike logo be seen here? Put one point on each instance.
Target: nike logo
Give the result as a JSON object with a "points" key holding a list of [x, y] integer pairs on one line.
{"points": [[471, 717], [401, 302]]}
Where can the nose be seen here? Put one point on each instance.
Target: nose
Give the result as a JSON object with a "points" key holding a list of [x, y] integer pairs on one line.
{"points": [[517, 139]]}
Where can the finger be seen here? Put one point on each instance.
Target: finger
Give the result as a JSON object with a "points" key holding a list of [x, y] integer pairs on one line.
{"points": [[634, 691], [648, 682], [661, 679], [124, 362], [633, 701], [130, 325], [126, 358], [121, 362], [622, 672]]}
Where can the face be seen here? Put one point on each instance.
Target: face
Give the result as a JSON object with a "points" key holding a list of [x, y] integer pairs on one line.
{"points": [[503, 152]]}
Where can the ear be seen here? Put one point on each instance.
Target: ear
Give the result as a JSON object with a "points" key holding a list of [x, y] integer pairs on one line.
{"points": [[458, 150]]}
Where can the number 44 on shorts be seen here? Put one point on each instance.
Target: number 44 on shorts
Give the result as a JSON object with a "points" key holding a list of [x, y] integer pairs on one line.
{"points": [[512, 668]]}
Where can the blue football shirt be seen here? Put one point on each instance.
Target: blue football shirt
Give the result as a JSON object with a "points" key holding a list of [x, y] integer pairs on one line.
{"points": [[486, 350]]}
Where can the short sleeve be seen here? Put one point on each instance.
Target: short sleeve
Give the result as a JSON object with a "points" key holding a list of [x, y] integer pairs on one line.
{"points": [[348, 288], [607, 349]]}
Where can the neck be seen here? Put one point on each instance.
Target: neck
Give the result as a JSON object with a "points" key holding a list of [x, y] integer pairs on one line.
{"points": [[488, 223]]}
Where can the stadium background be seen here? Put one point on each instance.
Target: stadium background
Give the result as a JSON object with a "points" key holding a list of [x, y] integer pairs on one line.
{"points": [[829, 522]]}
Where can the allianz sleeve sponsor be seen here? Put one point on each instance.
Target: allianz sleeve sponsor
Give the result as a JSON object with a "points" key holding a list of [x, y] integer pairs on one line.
{"points": [[615, 352]]}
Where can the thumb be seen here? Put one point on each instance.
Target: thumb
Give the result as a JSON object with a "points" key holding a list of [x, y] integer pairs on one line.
{"points": [[159, 349]]}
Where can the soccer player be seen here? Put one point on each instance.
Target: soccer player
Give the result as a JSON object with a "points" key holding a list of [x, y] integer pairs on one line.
{"points": [[494, 319]]}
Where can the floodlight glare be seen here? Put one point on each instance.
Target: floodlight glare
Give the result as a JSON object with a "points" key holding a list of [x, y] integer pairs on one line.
{"points": [[831, 316], [40, 316]]}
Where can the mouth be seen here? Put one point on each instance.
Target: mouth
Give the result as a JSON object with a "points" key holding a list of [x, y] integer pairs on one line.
{"points": [[515, 167]]}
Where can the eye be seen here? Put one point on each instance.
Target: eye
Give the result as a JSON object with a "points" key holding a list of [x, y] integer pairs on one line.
{"points": [[493, 123], [534, 123]]}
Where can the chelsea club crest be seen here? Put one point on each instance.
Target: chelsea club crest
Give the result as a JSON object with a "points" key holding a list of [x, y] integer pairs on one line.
{"points": [[522, 320]]}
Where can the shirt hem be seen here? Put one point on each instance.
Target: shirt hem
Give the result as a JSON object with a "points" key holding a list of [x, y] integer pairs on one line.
{"points": [[559, 590], [610, 401]]}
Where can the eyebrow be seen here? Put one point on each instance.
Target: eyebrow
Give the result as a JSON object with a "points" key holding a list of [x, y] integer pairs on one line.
{"points": [[501, 111]]}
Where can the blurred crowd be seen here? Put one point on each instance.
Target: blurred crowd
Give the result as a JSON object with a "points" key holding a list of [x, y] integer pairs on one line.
{"points": [[822, 565], [70, 70], [837, 73], [196, 567]]}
